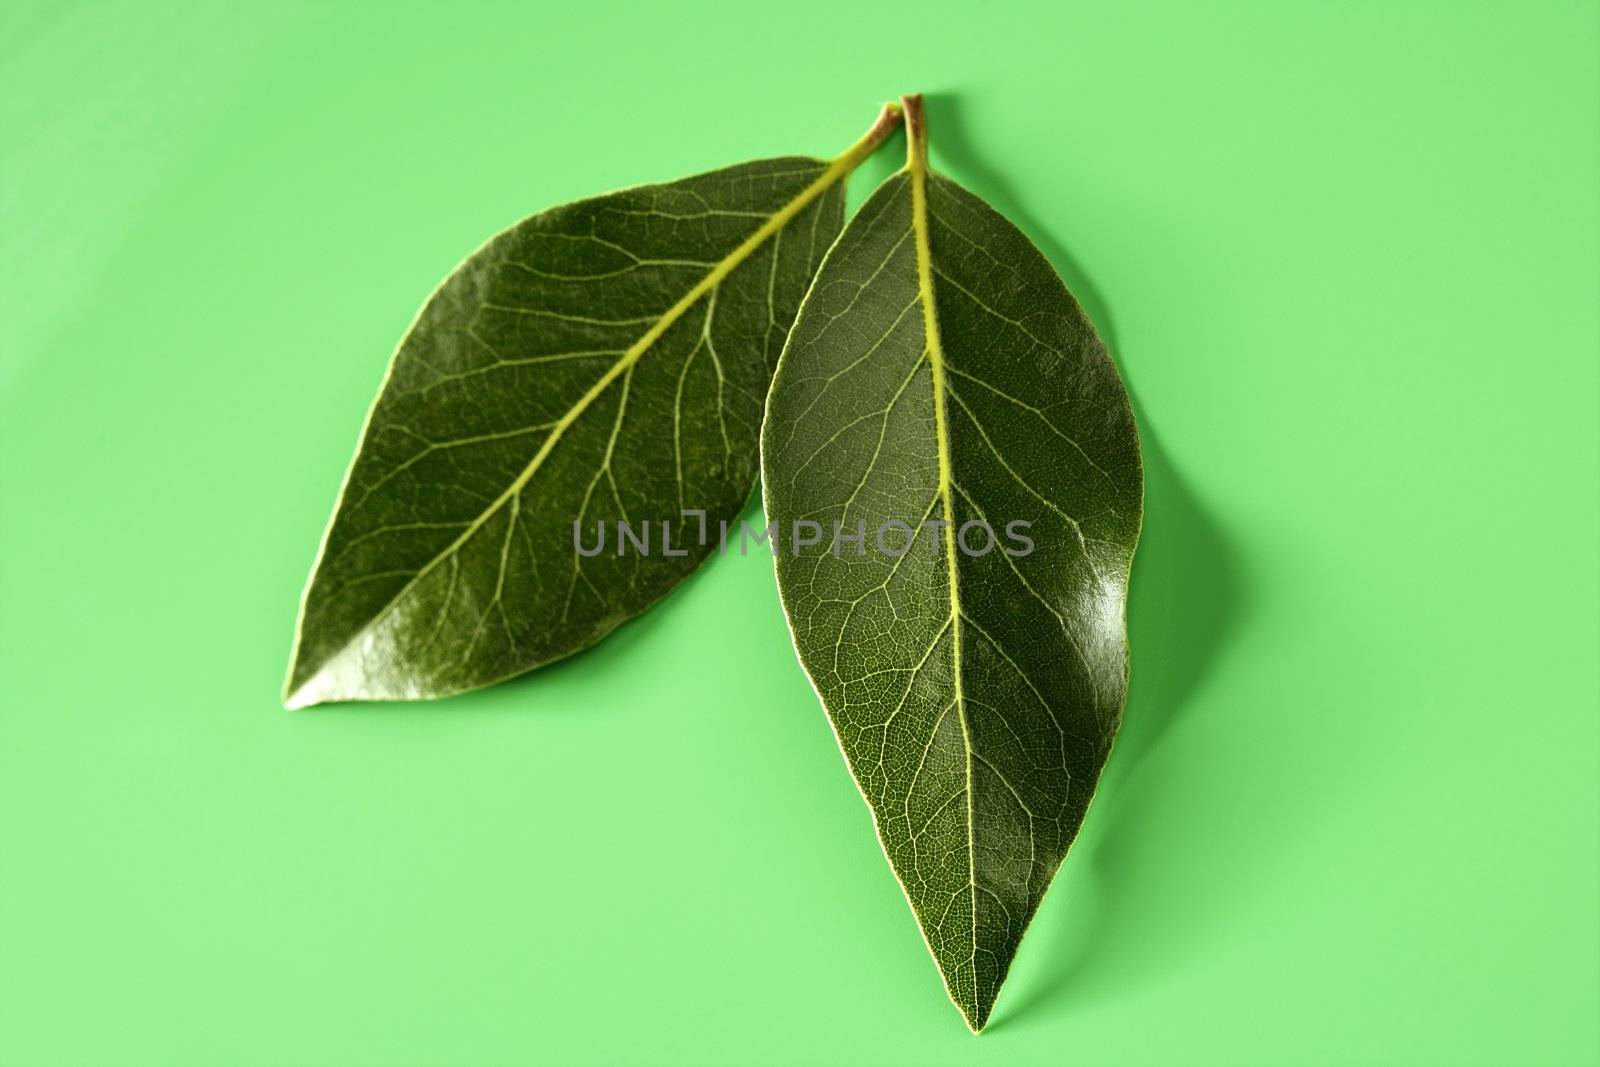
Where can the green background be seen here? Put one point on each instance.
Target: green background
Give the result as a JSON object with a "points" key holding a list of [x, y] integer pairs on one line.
{"points": [[1347, 258]]}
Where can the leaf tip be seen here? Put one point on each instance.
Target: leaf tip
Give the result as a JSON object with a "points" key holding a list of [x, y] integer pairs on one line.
{"points": [[303, 692], [297, 699]]}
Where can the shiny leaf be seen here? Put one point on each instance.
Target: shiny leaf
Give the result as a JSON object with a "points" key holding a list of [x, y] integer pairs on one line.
{"points": [[941, 376], [606, 360]]}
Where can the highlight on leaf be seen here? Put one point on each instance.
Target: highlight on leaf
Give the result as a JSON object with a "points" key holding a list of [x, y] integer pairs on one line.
{"points": [[941, 380]]}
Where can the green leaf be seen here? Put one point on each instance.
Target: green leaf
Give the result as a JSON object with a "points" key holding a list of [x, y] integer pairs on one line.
{"points": [[940, 373], [605, 360]]}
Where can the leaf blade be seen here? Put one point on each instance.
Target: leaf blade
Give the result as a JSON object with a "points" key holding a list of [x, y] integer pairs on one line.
{"points": [[975, 749], [513, 362]]}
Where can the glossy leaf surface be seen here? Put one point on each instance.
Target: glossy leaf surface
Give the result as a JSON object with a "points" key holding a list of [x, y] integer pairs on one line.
{"points": [[941, 373], [605, 360]]}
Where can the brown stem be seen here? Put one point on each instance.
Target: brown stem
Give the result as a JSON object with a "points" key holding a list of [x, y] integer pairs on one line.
{"points": [[916, 131], [887, 120]]}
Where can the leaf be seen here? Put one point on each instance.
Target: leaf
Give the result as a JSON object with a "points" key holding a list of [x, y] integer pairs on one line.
{"points": [[605, 360], [940, 372]]}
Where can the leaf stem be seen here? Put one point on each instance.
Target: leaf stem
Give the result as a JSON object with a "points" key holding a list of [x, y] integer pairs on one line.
{"points": [[916, 132], [887, 120]]}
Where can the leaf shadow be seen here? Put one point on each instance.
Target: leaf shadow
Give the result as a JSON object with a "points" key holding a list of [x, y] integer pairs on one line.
{"points": [[1186, 598]]}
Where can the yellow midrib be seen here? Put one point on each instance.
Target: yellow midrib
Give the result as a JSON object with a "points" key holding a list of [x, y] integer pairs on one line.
{"points": [[839, 168], [917, 167]]}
